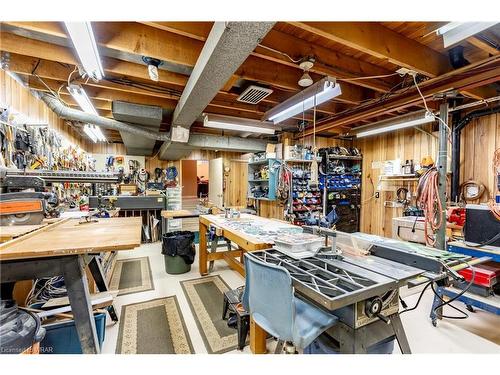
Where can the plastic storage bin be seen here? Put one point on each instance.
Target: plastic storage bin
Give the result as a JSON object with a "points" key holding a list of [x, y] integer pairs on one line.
{"points": [[62, 338]]}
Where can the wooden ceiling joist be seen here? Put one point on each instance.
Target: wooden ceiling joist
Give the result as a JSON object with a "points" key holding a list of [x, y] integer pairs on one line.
{"points": [[327, 62], [51, 52], [144, 40], [49, 68], [386, 44], [476, 42], [383, 43], [194, 30]]}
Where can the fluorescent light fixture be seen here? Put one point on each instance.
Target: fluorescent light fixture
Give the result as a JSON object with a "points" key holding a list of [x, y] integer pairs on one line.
{"points": [[79, 94], [323, 90], [99, 134], [455, 32], [94, 133], [238, 124], [87, 129], [82, 36], [406, 121]]}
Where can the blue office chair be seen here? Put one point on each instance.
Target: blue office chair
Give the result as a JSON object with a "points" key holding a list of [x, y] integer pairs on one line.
{"points": [[269, 297]]}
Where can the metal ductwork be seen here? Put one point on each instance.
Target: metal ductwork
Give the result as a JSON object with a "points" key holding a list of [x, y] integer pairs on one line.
{"points": [[76, 115], [145, 116], [176, 151]]}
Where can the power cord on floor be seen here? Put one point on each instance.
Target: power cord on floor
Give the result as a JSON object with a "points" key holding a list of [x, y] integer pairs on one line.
{"points": [[443, 302]]}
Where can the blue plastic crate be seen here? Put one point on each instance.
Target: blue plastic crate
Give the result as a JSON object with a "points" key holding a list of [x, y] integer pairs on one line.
{"points": [[61, 337]]}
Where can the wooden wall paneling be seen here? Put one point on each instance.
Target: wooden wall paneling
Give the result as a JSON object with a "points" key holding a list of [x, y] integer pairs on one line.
{"points": [[478, 142], [271, 209], [480, 139], [236, 190]]}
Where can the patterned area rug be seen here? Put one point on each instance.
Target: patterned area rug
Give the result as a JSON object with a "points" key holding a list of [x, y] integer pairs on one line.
{"points": [[153, 327], [205, 296], [132, 276]]}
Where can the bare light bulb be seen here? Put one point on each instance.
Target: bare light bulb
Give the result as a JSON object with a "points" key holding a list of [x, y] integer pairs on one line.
{"points": [[153, 72]]}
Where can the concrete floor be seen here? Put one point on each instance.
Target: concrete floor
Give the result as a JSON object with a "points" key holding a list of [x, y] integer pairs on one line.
{"points": [[480, 333]]}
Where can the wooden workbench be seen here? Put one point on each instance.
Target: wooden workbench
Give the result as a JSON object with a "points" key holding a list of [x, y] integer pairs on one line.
{"points": [[9, 232], [480, 251], [63, 249], [244, 241], [68, 237], [179, 214]]}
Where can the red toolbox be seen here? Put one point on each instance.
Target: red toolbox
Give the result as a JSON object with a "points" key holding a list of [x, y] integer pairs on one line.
{"points": [[487, 274]]}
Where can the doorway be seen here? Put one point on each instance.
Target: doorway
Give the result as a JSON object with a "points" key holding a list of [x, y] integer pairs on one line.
{"points": [[194, 178], [202, 178]]}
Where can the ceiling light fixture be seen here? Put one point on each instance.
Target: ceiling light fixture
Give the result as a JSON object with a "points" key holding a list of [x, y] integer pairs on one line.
{"points": [[238, 124], [401, 122], [323, 90], [153, 65], [454, 32], [82, 36], [306, 80], [79, 94]]}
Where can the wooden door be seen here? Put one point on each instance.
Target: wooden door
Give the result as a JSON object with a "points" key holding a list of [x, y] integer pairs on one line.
{"points": [[216, 181]]}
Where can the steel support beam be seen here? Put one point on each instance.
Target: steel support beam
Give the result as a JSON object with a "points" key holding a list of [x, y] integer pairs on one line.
{"points": [[226, 48], [176, 150]]}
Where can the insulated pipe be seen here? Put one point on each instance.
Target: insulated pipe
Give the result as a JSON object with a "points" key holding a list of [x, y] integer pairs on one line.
{"points": [[76, 115], [441, 164], [455, 151]]}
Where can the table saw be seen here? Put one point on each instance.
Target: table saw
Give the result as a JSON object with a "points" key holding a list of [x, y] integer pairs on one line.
{"points": [[361, 287]]}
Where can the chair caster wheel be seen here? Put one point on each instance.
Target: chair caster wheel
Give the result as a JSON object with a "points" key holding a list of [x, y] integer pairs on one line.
{"points": [[470, 308], [434, 322]]}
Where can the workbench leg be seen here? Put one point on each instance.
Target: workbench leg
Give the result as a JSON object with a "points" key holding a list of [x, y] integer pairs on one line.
{"points": [[202, 249], [399, 331], [78, 293], [242, 256], [101, 283], [257, 338], [213, 249]]}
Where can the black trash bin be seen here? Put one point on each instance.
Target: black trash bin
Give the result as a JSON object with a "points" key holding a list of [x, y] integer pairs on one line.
{"points": [[178, 251]]}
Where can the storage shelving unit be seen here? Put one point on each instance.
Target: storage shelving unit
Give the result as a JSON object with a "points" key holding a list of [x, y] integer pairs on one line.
{"points": [[174, 202], [342, 189], [266, 186], [305, 201]]}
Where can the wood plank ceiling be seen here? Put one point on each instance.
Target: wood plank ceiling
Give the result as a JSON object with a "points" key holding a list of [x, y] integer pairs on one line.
{"points": [[41, 53]]}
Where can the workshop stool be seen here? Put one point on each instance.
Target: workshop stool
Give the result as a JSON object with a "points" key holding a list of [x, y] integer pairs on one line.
{"points": [[269, 297], [232, 298]]}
